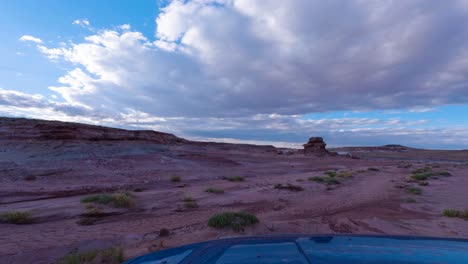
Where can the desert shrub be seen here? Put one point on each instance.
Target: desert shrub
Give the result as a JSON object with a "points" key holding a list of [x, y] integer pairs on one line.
{"points": [[330, 173], [422, 176], [325, 180], [191, 205], [345, 174], [316, 179], [176, 178], [405, 165], [123, 200], [235, 178], [214, 190], [289, 187], [414, 190], [451, 213], [112, 255], [422, 170], [79, 257], [444, 173], [423, 183], [373, 169], [117, 200], [17, 217], [98, 198], [188, 199], [235, 220]]}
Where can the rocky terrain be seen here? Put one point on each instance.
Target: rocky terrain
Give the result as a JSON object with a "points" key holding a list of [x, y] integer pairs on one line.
{"points": [[76, 188]]}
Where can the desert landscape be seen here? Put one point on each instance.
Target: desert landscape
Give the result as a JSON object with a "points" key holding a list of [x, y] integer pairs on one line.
{"points": [[68, 188]]}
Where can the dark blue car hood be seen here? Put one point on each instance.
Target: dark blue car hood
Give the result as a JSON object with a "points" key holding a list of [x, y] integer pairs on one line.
{"points": [[304, 249]]}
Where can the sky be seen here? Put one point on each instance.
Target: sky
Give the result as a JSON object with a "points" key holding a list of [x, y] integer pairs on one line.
{"points": [[356, 72]]}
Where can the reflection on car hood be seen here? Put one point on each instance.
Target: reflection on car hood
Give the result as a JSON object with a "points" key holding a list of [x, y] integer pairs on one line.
{"points": [[303, 249]]}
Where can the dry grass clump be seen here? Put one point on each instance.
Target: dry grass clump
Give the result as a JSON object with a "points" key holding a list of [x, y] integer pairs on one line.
{"points": [[112, 255], [288, 187], [214, 190], [414, 190], [455, 213], [235, 220], [117, 200], [17, 217], [235, 178]]}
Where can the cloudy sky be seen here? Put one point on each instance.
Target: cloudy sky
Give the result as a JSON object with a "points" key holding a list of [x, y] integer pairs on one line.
{"points": [[357, 72]]}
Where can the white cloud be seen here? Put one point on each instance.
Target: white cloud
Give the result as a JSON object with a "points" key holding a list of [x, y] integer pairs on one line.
{"points": [[81, 22], [231, 63], [30, 38]]}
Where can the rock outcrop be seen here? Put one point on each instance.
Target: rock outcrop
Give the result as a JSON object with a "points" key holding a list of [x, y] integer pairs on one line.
{"points": [[42, 130], [315, 145]]}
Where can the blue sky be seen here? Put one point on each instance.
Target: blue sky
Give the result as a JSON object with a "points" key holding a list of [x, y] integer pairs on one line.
{"points": [[266, 72]]}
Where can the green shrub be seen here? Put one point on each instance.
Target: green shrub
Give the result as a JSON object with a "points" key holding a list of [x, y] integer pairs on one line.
{"points": [[235, 178], [98, 198], [422, 176], [451, 213], [214, 190], [112, 255], [117, 200], [414, 190], [79, 257], [235, 220], [316, 179], [325, 180], [16, 217], [176, 178], [289, 187], [330, 173], [373, 169]]}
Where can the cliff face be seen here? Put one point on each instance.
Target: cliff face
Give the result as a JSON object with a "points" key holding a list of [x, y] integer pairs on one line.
{"points": [[31, 129]]}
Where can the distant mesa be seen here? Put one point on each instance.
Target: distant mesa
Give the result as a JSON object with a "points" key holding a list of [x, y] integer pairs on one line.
{"points": [[315, 145]]}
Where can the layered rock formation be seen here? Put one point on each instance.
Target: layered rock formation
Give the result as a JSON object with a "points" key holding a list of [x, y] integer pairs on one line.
{"points": [[30, 129], [315, 145]]}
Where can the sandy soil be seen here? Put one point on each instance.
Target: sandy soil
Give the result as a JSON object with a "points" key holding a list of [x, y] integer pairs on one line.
{"points": [[48, 177]]}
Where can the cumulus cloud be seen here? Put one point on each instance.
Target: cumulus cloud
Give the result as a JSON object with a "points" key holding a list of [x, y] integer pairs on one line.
{"points": [[81, 22], [239, 57], [30, 38], [233, 62]]}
